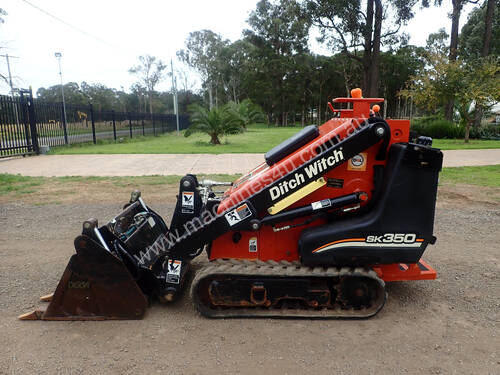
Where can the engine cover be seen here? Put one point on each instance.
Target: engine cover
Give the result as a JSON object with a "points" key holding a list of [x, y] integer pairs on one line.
{"points": [[398, 227]]}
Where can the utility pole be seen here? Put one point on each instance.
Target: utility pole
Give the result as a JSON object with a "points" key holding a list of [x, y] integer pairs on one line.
{"points": [[58, 55], [10, 74], [11, 84], [176, 105], [174, 92]]}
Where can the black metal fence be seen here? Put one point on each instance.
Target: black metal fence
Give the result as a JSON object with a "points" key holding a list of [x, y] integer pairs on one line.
{"points": [[26, 124]]}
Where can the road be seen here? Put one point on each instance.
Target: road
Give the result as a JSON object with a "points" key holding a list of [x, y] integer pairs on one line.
{"points": [[180, 164]]}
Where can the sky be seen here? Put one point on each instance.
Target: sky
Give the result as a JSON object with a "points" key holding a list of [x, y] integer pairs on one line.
{"points": [[106, 37]]}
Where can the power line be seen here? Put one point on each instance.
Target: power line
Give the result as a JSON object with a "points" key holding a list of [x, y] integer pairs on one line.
{"points": [[67, 23], [7, 56]]}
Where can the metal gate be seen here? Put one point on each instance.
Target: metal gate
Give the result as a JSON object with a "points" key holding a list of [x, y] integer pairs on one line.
{"points": [[18, 134], [26, 124]]}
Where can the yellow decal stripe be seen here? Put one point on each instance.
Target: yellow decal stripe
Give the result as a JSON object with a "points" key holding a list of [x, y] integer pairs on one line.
{"points": [[298, 195]]}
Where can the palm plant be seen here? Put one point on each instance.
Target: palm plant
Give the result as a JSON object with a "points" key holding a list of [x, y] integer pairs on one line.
{"points": [[247, 112], [215, 122]]}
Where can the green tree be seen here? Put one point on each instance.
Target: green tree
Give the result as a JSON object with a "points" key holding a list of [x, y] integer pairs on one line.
{"points": [[279, 30], [247, 112], [150, 72], [216, 122], [483, 26], [474, 40], [464, 83], [102, 97], [396, 68], [72, 94], [235, 65], [360, 32], [121, 99], [203, 49], [139, 97]]}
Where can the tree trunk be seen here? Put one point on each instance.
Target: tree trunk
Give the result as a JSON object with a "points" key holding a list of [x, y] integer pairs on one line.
{"points": [[150, 94], [449, 109], [375, 60], [455, 22], [411, 108], [490, 9], [214, 139], [319, 103], [386, 103], [467, 132], [210, 97], [478, 116], [367, 54], [346, 78], [216, 95]]}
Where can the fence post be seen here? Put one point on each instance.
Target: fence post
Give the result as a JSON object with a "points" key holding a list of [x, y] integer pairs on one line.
{"points": [[142, 121], [32, 119], [24, 112], [93, 123], [153, 121], [114, 124], [65, 129], [129, 123]]}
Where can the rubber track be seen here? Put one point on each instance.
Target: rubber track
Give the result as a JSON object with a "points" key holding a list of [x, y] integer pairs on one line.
{"points": [[259, 268]]}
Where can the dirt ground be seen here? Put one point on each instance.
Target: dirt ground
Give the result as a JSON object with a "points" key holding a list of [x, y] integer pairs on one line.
{"points": [[447, 326]]}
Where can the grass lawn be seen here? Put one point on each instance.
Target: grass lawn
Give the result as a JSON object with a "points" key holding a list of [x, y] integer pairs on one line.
{"points": [[21, 185], [458, 144], [257, 139], [483, 176]]}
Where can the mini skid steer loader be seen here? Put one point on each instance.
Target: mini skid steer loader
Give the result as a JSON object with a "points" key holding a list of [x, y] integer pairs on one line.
{"points": [[315, 231]]}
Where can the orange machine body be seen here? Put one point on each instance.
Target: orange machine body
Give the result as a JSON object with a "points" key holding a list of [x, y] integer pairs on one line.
{"points": [[355, 175]]}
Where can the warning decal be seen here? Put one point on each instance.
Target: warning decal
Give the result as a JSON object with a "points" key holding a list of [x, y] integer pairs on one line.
{"points": [[321, 204], [252, 245], [187, 202], [235, 216], [174, 271]]}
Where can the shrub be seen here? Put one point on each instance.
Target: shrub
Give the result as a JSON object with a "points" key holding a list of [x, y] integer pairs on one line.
{"points": [[486, 131], [247, 112], [437, 127], [215, 122]]}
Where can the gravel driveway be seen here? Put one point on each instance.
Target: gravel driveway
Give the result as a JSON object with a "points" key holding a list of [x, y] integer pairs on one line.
{"points": [[447, 326]]}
